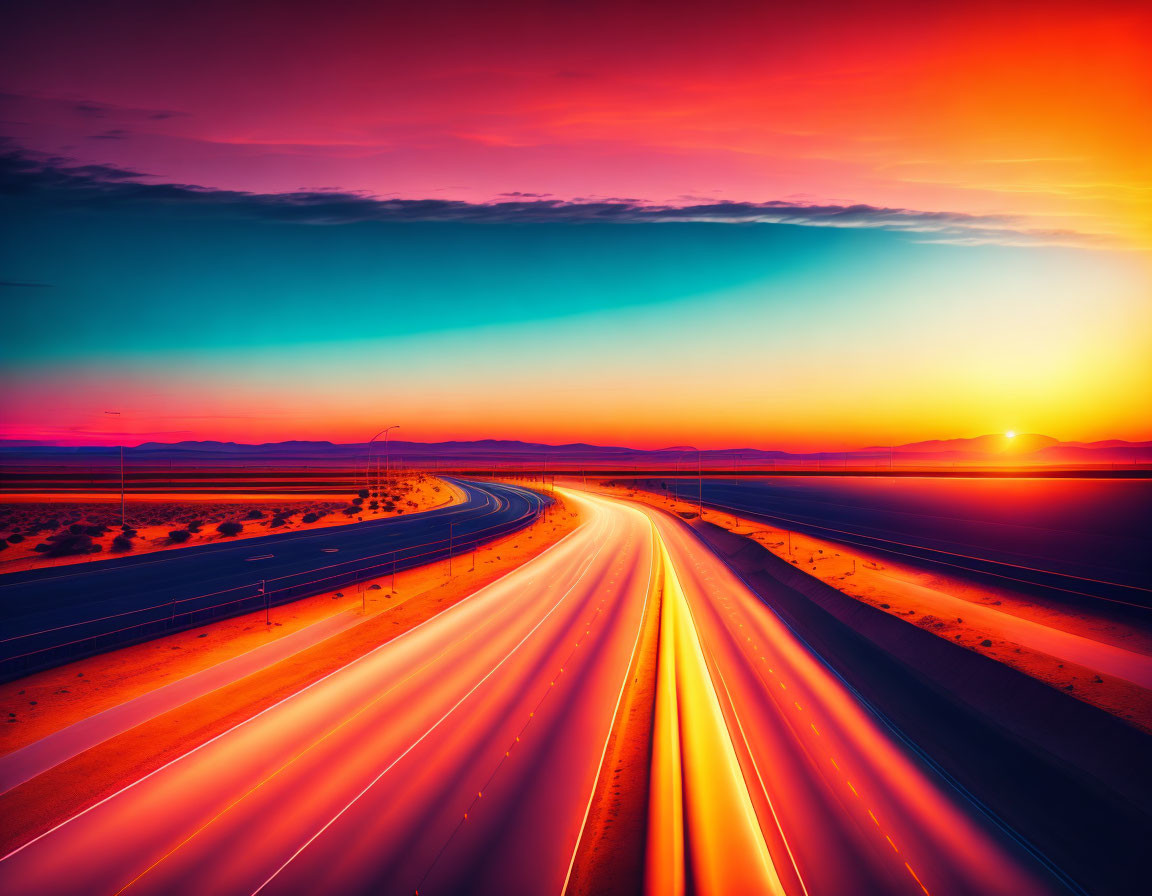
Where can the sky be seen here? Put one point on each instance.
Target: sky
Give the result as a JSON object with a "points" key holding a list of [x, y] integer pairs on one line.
{"points": [[812, 227]]}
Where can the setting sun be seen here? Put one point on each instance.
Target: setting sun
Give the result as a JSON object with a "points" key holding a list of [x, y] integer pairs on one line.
{"points": [[1010, 434]]}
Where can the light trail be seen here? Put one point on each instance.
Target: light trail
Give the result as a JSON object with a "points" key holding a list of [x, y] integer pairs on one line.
{"points": [[855, 810]]}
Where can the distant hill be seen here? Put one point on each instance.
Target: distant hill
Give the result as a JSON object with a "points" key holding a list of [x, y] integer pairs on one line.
{"points": [[1024, 448]]}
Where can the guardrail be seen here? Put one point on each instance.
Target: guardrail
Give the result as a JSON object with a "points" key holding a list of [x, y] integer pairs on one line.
{"points": [[30, 652]]}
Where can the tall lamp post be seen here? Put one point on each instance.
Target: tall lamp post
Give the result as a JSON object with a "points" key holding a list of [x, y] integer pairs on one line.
{"points": [[122, 514], [368, 466]]}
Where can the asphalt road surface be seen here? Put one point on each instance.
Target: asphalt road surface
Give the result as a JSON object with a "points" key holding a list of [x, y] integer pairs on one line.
{"points": [[60, 614]]}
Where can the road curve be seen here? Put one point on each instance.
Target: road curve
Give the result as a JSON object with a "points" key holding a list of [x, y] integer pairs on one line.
{"points": [[459, 757], [60, 614]]}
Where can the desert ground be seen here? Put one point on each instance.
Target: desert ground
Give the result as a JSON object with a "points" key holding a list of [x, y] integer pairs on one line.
{"points": [[49, 530]]}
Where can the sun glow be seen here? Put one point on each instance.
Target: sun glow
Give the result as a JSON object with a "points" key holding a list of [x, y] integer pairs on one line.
{"points": [[1010, 434]]}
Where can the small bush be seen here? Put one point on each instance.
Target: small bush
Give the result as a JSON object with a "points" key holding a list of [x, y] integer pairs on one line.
{"points": [[121, 543], [310, 517], [95, 531], [15, 538], [363, 493], [351, 511], [985, 643], [179, 536], [3, 545], [357, 501], [76, 529], [229, 529], [70, 545], [255, 515], [194, 526], [277, 522]]}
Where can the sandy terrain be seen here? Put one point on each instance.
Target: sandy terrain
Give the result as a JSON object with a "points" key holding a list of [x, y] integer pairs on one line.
{"points": [[50, 700], [68, 524], [1091, 657]]}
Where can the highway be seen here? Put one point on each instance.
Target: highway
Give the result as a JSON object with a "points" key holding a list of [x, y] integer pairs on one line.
{"points": [[460, 757], [60, 614], [463, 755], [1072, 539]]}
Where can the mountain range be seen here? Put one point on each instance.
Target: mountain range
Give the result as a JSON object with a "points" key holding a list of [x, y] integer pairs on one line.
{"points": [[1023, 448]]}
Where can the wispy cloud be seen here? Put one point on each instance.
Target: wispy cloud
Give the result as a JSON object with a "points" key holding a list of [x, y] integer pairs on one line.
{"points": [[60, 180]]}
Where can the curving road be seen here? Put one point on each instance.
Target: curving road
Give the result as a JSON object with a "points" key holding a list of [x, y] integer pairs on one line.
{"points": [[460, 757], [60, 614], [463, 755]]}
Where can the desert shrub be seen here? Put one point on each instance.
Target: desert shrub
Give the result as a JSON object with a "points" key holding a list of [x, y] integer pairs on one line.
{"points": [[194, 526], [95, 531], [72, 544], [363, 493], [76, 529], [357, 501], [121, 543], [3, 544], [311, 517], [255, 515], [179, 536], [129, 531], [351, 511], [374, 505], [15, 538], [229, 529], [277, 522]]}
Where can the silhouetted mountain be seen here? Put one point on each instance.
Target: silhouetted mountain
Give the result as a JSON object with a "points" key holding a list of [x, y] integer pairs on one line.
{"points": [[1024, 448]]}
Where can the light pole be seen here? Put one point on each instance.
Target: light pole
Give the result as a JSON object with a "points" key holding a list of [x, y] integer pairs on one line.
{"points": [[368, 466], [122, 522]]}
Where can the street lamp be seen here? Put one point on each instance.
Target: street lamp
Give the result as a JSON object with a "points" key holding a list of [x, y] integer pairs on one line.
{"points": [[368, 466]]}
